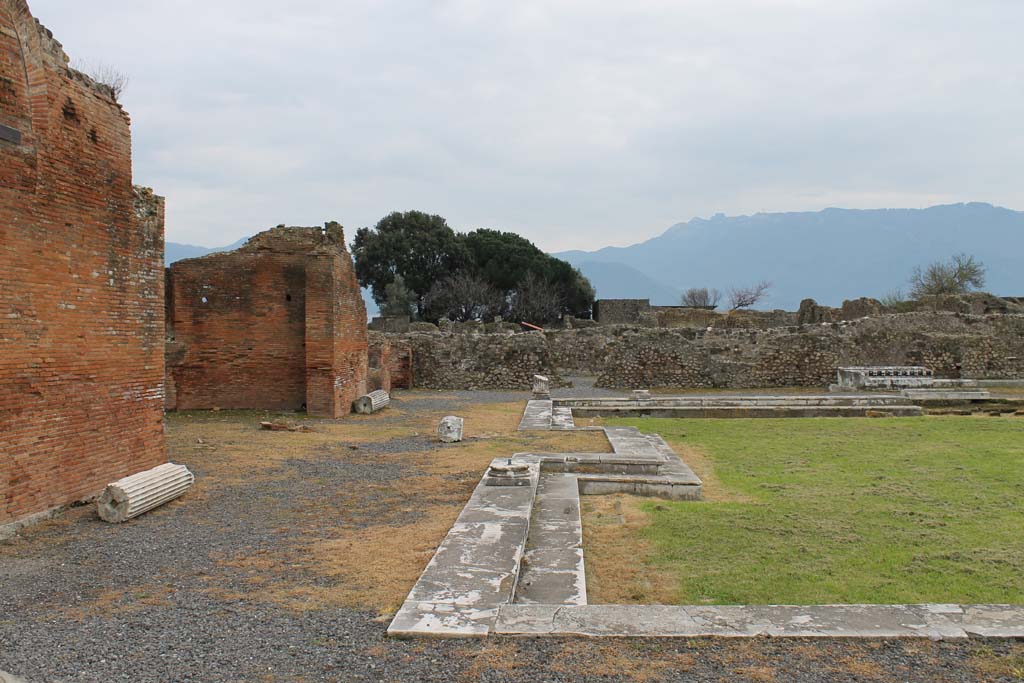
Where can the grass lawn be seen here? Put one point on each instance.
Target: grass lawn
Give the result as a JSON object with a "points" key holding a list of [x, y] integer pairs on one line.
{"points": [[811, 511]]}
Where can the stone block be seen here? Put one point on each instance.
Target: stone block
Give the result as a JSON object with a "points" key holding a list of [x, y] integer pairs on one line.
{"points": [[451, 428]]}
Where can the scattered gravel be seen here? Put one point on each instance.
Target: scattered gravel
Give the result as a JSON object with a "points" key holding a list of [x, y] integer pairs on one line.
{"points": [[63, 616]]}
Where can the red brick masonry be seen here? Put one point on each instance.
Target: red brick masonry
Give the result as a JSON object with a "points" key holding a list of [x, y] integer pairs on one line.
{"points": [[390, 363], [81, 283], [278, 324]]}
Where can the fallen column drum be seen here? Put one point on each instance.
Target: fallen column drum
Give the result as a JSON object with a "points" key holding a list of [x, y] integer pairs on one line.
{"points": [[372, 402], [130, 497]]}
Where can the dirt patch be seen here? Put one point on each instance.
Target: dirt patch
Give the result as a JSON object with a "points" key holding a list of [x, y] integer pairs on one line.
{"points": [[616, 554], [387, 529], [622, 659], [490, 658], [370, 568], [1006, 665]]}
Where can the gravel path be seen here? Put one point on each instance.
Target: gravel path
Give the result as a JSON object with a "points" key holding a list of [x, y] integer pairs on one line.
{"points": [[154, 601]]}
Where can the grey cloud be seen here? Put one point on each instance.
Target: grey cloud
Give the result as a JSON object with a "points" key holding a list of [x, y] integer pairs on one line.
{"points": [[578, 124]]}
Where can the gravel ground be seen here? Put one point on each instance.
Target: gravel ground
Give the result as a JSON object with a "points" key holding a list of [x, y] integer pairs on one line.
{"points": [[152, 601]]}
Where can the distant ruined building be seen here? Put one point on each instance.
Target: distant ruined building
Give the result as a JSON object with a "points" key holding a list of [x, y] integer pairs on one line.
{"points": [[81, 283], [278, 324]]}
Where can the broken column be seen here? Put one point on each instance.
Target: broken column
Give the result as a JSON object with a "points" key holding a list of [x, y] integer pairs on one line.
{"points": [[541, 387], [130, 497], [372, 402], [507, 473]]}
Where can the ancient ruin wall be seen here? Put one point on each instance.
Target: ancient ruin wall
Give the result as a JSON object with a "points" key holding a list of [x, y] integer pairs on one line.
{"points": [[447, 360], [953, 345], [336, 334], [390, 363], [625, 357], [278, 324], [81, 283]]}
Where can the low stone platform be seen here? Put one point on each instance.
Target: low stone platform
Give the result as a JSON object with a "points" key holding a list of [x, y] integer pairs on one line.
{"points": [[476, 567], [545, 414], [960, 395], [559, 413], [937, 622], [524, 544]]}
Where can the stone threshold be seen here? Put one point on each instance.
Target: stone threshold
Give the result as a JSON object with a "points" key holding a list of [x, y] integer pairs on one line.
{"points": [[934, 621]]}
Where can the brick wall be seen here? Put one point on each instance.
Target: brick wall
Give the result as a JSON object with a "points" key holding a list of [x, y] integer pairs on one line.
{"points": [[278, 324], [390, 361], [400, 366], [81, 283]]}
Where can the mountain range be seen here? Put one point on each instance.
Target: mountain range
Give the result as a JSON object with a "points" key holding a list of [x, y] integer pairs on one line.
{"points": [[828, 255]]}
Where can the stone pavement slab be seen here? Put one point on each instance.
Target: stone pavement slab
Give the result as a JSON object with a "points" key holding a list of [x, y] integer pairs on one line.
{"points": [[552, 570], [993, 621], [537, 416], [732, 621], [475, 568]]}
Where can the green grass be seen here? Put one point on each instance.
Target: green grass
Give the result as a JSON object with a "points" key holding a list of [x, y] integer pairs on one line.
{"points": [[900, 510]]}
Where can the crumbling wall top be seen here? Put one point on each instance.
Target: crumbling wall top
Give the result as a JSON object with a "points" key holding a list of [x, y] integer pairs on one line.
{"points": [[293, 240], [36, 38]]}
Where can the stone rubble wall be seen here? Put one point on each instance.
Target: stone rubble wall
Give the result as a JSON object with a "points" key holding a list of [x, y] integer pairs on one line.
{"points": [[954, 345], [452, 360], [81, 283]]}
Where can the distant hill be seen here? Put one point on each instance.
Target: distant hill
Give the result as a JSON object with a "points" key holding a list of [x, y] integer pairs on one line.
{"points": [[827, 255], [177, 252], [628, 283]]}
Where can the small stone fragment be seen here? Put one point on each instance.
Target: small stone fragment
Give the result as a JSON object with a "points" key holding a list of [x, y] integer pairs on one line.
{"points": [[541, 387], [283, 427], [450, 429]]}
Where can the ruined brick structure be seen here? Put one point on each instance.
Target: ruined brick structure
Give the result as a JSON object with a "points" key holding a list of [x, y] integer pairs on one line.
{"points": [[278, 324], [81, 283], [390, 363]]}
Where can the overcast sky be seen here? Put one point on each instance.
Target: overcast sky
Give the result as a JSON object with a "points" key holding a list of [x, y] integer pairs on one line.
{"points": [[578, 124]]}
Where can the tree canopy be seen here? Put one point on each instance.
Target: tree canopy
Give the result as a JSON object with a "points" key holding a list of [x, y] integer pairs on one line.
{"points": [[419, 247], [478, 275], [959, 275]]}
